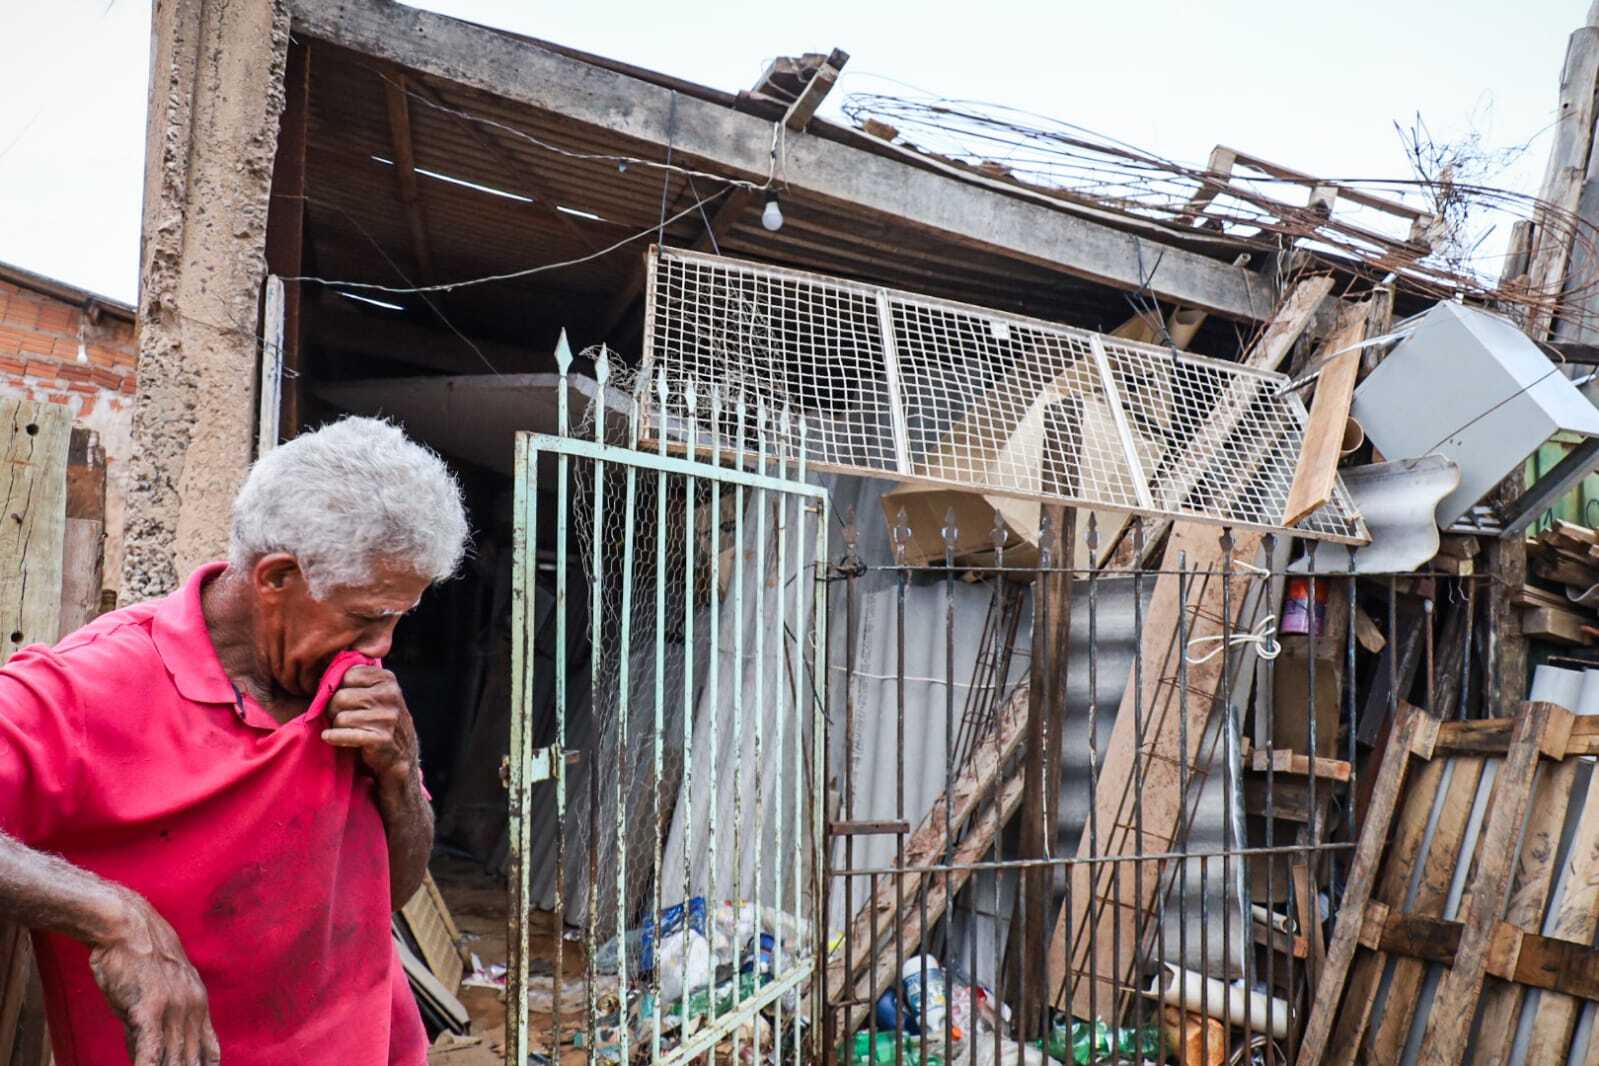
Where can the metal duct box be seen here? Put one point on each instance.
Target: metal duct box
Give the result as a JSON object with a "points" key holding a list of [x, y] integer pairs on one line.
{"points": [[1470, 386]]}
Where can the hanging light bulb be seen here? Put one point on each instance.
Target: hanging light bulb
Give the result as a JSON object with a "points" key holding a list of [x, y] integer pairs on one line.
{"points": [[772, 214]]}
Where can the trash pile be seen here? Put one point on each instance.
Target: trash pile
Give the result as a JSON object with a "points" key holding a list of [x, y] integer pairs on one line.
{"points": [[931, 1017], [692, 969]]}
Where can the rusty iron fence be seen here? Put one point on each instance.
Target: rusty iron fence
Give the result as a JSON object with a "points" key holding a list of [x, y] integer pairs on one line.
{"points": [[786, 760]]}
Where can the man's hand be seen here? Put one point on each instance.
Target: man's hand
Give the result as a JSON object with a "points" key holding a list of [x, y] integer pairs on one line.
{"points": [[154, 989], [368, 712]]}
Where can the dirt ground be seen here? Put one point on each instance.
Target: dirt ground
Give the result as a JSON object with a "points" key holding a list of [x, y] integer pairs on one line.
{"points": [[478, 904]]}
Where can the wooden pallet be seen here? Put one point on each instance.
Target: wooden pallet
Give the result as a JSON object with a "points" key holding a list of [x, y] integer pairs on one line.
{"points": [[1490, 952]]}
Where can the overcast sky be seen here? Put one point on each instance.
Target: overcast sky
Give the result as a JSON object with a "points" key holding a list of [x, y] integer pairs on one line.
{"points": [[1309, 86]]}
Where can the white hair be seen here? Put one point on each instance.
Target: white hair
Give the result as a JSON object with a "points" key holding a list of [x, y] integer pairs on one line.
{"points": [[346, 497]]}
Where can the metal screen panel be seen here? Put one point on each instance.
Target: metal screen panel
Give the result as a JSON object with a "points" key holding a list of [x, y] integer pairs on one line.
{"points": [[892, 384]]}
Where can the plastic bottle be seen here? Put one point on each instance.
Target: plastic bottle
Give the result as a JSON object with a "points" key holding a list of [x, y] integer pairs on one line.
{"points": [[928, 1002], [1075, 1041]]}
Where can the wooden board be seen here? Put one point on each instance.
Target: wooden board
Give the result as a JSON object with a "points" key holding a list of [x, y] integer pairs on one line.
{"points": [[1316, 473], [1100, 898], [1556, 625]]}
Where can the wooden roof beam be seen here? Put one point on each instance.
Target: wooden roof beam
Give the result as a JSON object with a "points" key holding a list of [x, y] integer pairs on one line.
{"points": [[815, 168], [405, 175]]}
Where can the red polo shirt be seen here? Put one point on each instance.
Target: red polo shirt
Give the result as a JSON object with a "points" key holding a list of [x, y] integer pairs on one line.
{"points": [[126, 750]]}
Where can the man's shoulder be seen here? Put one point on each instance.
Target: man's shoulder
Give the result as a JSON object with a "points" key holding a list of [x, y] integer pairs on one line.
{"points": [[122, 637], [95, 668]]}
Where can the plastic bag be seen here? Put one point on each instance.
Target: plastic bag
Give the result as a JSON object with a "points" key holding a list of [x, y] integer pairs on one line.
{"points": [[673, 919], [685, 963]]}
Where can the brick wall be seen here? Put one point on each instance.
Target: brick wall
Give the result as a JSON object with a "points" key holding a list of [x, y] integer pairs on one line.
{"points": [[54, 351]]}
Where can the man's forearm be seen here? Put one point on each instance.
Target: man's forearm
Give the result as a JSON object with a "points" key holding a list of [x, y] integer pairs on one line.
{"points": [[40, 891], [408, 823]]}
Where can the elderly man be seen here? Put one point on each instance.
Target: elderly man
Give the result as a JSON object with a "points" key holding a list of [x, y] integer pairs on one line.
{"points": [[211, 804]]}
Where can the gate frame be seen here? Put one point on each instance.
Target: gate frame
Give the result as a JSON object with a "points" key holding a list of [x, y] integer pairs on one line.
{"points": [[528, 765]]}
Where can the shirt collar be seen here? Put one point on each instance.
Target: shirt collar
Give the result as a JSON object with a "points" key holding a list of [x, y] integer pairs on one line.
{"points": [[184, 643]]}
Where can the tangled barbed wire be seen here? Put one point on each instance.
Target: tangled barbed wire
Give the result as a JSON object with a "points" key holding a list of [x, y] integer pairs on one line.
{"points": [[1429, 228]]}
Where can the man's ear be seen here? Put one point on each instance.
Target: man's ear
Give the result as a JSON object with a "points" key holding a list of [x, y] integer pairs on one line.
{"points": [[275, 575]]}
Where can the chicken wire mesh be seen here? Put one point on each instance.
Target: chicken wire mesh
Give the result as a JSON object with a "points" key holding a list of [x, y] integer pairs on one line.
{"points": [[697, 776], [891, 384]]}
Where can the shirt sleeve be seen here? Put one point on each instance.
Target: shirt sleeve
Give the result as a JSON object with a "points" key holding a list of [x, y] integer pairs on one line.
{"points": [[41, 745]]}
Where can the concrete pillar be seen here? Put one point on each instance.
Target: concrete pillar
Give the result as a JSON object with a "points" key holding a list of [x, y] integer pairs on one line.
{"points": [[216, 93]]}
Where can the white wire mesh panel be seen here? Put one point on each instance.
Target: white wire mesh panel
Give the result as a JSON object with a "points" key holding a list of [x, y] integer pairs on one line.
{"points": [[892, 384]]}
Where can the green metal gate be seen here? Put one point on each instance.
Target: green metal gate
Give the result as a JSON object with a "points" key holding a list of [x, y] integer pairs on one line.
{"points": [[679, 750]]}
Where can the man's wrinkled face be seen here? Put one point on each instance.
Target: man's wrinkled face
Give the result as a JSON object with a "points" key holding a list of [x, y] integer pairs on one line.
{"points": [[301, 634]]}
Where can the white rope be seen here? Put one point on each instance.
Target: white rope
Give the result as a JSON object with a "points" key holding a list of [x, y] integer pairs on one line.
{"points": [[1263, 637]]}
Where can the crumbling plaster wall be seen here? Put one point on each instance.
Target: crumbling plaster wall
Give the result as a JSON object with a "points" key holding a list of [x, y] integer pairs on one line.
{"points": [[216, 94]]}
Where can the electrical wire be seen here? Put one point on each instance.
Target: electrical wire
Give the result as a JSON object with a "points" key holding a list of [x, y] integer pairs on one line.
{"points": [[603, 157], [512, 275]]}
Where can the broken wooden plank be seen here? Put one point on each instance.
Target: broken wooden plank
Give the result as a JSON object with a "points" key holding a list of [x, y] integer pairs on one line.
{"points": [[1286, 761], [1368, 633], [941, 888], [1453, 566], [1556, 625], [1306, 902], [1575, 533], [816, 89], [434, 930], [1287, 801], [974, 786], [1531, 596], [1159, 714], [1316, 473]]}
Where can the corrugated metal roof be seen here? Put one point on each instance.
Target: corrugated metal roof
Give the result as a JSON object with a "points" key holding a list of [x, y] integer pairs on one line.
{"points": [[358, 229]]}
